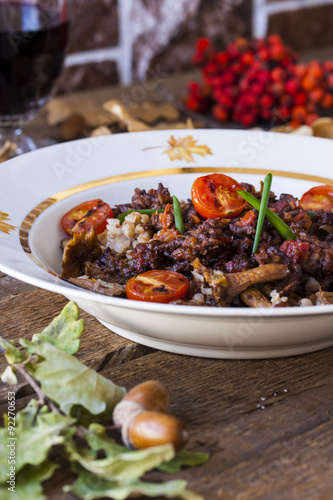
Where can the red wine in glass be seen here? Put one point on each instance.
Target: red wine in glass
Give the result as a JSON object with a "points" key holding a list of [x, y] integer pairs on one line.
{"points": [[33, 41]]}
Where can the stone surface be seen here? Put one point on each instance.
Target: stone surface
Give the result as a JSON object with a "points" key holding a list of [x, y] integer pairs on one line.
{"points": [[218, 20], [94, 25], [88, 76], [154, 25], [163, 34], [304, 28]]}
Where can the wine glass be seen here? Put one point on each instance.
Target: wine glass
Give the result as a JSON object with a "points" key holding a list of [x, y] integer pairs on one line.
{"points": [[33, 40]]}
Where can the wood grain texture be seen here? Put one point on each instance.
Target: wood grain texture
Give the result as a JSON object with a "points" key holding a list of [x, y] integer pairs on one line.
{"points": [[267, 424]]}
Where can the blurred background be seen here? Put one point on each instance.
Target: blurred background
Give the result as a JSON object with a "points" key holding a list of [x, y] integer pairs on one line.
{"points": [[123, 41]]}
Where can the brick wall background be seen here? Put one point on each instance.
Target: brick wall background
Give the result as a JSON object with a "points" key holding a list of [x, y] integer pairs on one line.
{"points": [[120, 41]]}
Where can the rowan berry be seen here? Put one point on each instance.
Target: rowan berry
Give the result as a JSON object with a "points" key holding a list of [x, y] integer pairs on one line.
{"points": [[316, 95], [300, 98], [291, 86], [220, 113]]}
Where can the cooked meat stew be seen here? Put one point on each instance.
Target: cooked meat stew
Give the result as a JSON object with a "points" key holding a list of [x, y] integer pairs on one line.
{"points": [[215, 254]]}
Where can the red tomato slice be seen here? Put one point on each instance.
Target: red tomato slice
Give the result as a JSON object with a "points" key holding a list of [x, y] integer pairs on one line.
{"points": [[318, 198], [215, 196], [88, 214], [157, 286]]}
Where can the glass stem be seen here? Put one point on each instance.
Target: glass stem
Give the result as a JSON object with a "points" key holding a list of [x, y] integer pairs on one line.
{"points": [[15, 136]]}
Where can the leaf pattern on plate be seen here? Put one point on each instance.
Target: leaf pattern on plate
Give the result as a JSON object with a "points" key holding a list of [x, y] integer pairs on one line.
{"points": [[4, 226], [184, 148]]}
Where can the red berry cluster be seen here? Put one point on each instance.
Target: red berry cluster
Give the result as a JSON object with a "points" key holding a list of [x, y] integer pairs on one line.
{"points": [[256, 81]]}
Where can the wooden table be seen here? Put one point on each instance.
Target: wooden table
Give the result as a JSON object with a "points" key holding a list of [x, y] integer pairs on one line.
{"points": [[267, 424]]}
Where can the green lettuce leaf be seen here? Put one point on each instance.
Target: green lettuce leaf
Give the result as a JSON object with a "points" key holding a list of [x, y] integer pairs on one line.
{"points": [[98, 440], [63, 332], [36, 432], [127, 465], [12, 354], [3, 455], [90, 487], [184, 458], [69, 382], [28, 483]]}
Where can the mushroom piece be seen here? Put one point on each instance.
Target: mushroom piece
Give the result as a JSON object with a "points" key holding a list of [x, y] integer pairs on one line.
{"points": [[81, 248], [324, 298], [225, 287], [254, 298], [111, 289]]}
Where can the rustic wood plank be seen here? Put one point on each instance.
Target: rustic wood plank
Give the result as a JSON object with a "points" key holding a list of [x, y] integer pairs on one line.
{"points": [[219, 401], [10, 286], [275, 453], [22, 318], [251, 449]]}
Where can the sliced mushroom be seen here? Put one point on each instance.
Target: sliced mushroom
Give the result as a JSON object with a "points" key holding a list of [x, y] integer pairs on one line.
{"points": [[224, 287], [254, 298], [81, 248], [111, 289], [240, 281], [324, 298]]}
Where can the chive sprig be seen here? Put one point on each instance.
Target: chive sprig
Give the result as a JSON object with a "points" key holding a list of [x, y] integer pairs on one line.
{"points": [[179, 223], [274, 219], [263, 207]]}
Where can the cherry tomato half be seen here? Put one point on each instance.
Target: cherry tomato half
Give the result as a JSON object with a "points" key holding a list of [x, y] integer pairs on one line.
{"points": [[215, 196], [88, 214], [318, 198], [157, 286]]}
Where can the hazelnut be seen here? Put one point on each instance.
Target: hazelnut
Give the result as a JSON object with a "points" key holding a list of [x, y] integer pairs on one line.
{"points": [[152, 395], [151, 428], [141, 414]]}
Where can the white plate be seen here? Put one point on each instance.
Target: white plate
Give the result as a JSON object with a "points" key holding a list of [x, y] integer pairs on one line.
{"points": [[37, 188]]}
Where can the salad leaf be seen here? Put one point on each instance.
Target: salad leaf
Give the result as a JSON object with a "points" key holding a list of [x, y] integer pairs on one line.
{"points": [[119, 465], [184, 458], [28, 483], [69, 382], [37, 432], [3, 455], [90, 487], [98, 440], [63, 332], [12, 354]]}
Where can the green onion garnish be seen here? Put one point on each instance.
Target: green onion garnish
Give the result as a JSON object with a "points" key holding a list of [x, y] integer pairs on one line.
{"points": [[311, 213], [148, 211], [274, 219], [263, 206], [178, 215]]}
